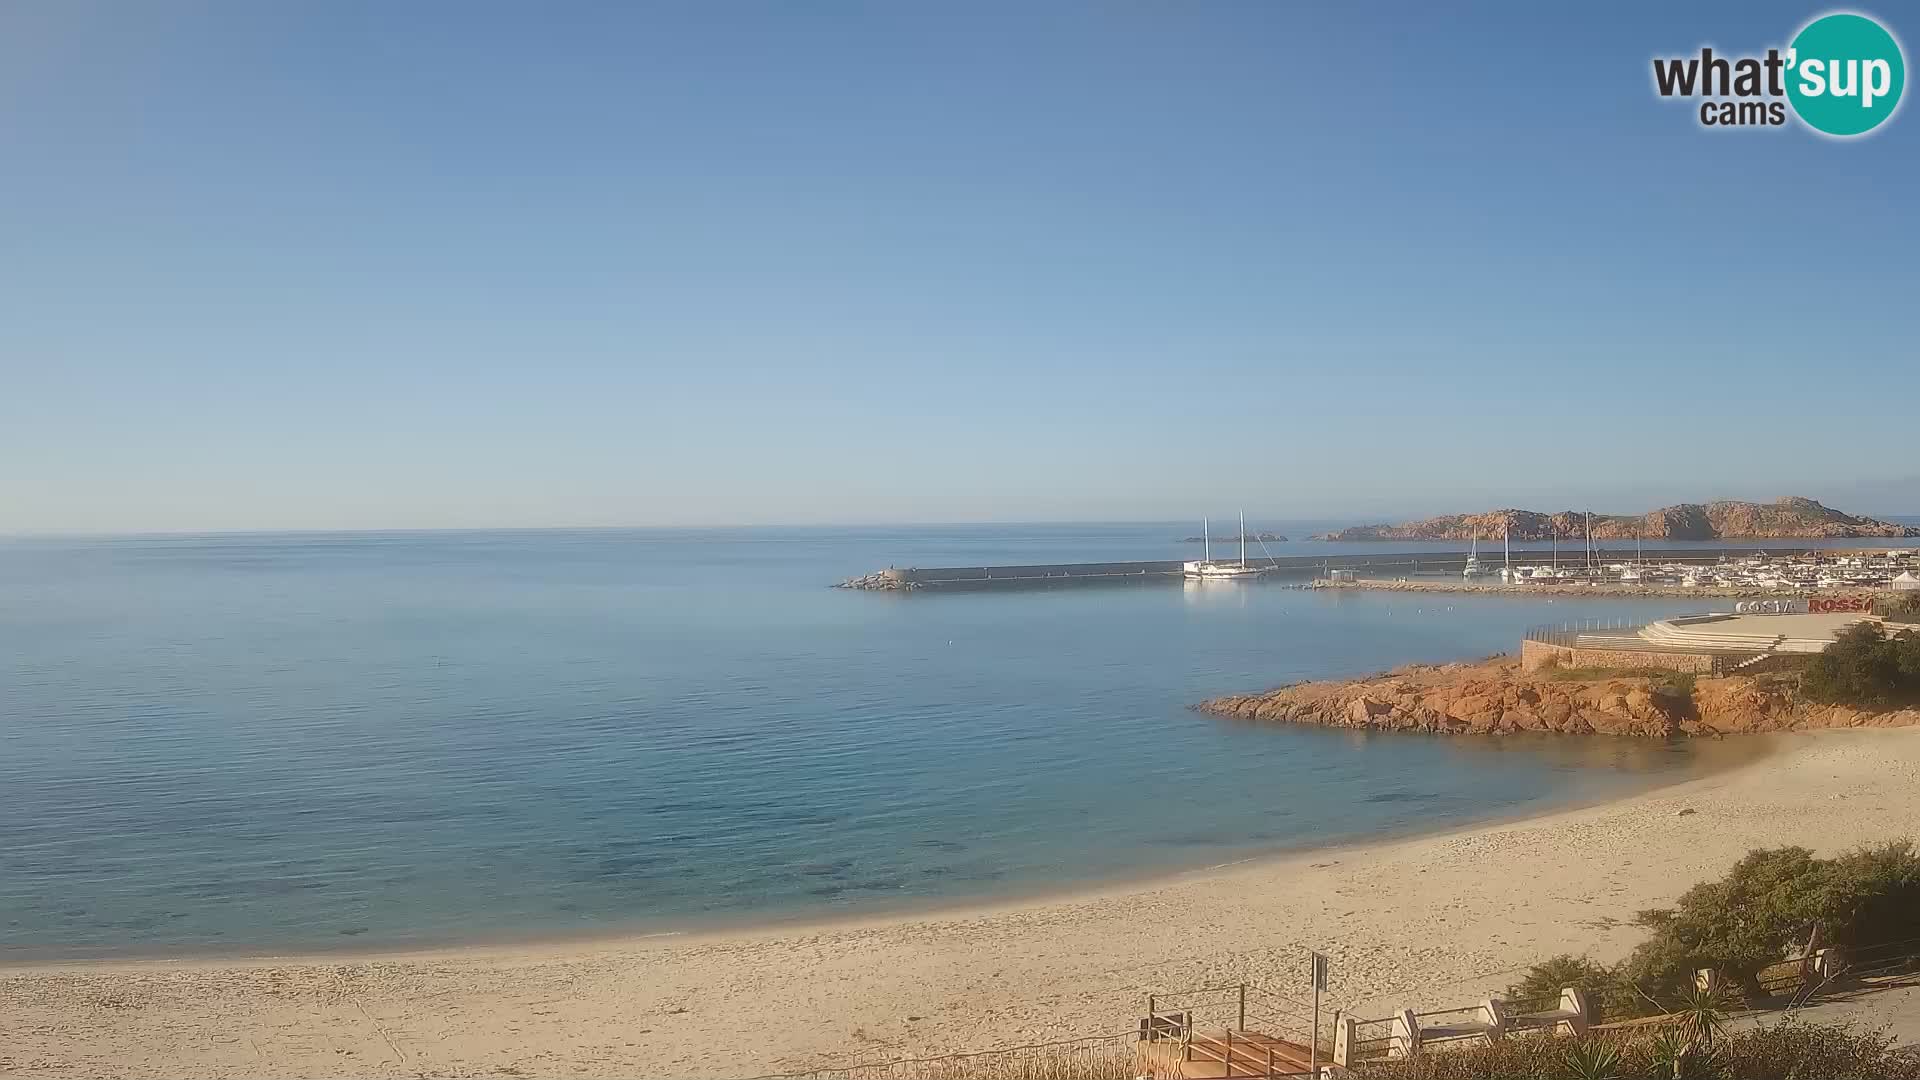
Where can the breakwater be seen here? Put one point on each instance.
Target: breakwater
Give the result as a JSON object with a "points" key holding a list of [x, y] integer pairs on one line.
{"points": [[1051, 575]]}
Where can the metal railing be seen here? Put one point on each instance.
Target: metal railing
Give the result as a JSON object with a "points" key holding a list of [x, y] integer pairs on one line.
{"points": [[1375, 1040], [1244, 1029], [1250, 1030], [1569, 633], [1803, 979]]}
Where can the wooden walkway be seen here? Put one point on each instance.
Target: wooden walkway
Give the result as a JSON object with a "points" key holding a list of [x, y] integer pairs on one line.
{"points": [[1219, 1055]]}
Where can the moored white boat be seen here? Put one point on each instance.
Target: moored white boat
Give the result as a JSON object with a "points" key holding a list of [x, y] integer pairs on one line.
{"points": [[1205, 569]]}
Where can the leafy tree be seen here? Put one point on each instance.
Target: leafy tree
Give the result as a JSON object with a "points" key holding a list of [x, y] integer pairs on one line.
{"points": [[1776, 901], [1738, 925], [1865, 667]]}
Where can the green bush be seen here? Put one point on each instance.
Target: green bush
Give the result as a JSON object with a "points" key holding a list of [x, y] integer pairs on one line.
{"points": [[1773, 903], [1788, 1051], [1609, 994], [1736, 925], [1866, 668], [1794, 1051]]}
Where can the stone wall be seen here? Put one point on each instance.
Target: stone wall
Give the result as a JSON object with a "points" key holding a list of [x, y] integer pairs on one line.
{"points": [[1535, 655]]}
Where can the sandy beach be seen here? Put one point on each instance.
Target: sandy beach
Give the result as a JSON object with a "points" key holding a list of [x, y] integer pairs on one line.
{"points": [[1423, 922]]}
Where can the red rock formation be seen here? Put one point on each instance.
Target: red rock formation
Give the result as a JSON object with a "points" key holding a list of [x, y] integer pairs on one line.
{"points": [[1495, 697]]}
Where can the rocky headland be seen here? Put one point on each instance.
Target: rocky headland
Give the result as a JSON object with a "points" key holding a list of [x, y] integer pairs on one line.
{"points": [[1495, 697], [1791, 518]]}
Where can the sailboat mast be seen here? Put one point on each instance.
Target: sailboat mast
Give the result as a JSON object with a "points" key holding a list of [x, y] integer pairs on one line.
{"points": [[1206, 539], [1243, 538]]}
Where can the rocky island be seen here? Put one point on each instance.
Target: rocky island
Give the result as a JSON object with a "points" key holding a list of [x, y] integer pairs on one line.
{"points": [[1495, 697], [1791, 518]]}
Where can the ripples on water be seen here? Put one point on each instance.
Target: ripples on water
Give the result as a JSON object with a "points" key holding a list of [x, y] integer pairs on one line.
{"points": [[214, 743]]}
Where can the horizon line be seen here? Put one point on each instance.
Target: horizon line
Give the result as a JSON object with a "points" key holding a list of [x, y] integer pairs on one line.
{"points": [[369, 530]]}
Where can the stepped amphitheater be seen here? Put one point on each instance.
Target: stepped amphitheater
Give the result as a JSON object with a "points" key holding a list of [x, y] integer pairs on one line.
{"points": [[1708, 643]]}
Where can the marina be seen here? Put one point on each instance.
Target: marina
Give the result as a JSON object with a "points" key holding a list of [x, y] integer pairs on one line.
{"points": [[1742, 570]]}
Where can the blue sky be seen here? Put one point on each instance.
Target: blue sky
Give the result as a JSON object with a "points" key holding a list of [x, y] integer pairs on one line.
{"points": [[358, 265]]}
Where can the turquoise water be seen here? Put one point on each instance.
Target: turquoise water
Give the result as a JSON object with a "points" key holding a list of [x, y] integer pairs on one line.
{"points": [[296, 741]]}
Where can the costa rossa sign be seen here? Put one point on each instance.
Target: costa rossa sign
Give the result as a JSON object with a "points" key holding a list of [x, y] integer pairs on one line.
{"points": [[1833, 605]]}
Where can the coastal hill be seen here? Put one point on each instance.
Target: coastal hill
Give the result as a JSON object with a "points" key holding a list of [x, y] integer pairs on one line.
{"points": [[1791, 518]]}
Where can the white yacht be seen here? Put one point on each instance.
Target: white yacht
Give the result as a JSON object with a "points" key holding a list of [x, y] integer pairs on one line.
{"points": [[1472, 568], [1207, 570]]}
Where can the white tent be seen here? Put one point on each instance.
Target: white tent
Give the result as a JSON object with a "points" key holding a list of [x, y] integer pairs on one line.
{"points": [[1907, 582]]}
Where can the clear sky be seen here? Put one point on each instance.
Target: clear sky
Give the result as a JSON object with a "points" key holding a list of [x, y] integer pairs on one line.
{"points": [[336, 264]]}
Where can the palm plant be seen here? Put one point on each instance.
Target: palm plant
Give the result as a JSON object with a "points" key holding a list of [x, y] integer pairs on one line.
{"points": [[1671, 1055], [1594, 1060], [1703, 1015]]}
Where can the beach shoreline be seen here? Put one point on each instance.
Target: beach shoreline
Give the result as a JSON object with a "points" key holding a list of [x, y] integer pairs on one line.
{"points": [[1420, 921]]}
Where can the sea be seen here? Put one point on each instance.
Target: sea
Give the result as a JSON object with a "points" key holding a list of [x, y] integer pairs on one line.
{"points": [[225, 744]]}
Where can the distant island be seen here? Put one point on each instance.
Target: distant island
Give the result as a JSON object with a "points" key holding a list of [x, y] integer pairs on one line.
{"points": [[1791, 518], [1265, 537]]}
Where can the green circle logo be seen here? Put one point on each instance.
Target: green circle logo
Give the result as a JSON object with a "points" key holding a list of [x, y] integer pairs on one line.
{"points": [[1845, 74]]}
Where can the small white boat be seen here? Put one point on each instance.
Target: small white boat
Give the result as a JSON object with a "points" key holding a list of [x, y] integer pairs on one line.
{"points": [[1472, 569]]}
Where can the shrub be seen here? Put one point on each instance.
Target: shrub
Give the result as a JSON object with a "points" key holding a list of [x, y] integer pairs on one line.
{"points": [[1609, 994], [1793, 1051], [1787, 1051], [1772, 903], [1864, 667], [1872, 897]]}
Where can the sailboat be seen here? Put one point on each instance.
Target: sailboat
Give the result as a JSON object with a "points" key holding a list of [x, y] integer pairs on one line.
{"points": [[1631, 575], [1472, 568], [1208, 570], [1508, 572]]}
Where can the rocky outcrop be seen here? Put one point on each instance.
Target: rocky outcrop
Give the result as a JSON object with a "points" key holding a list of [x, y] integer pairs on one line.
{"points": [[1495, 697], [888, 580], [1794, 518], [1791, 518]]}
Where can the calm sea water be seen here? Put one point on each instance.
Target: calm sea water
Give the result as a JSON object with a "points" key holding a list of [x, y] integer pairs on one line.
{"points": [[289, 741]]}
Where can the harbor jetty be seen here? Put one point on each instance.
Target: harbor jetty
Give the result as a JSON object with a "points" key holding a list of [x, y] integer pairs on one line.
{"points": [[1375, 567]]}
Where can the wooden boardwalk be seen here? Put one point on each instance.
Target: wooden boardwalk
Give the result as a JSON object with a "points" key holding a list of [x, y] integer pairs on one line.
{"points": [[1221, 1055]]}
